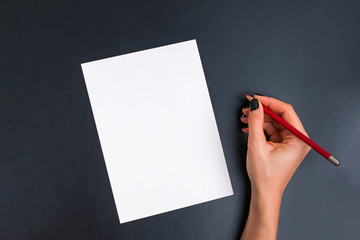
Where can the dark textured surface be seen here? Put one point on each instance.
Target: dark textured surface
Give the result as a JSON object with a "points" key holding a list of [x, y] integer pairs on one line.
{"points": [[53, 180]]}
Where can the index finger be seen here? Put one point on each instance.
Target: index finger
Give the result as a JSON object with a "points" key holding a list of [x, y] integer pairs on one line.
{"points": [[283, 109]]}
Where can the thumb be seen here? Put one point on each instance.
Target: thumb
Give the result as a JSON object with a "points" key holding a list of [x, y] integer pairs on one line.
{"points": [[256, 124]]}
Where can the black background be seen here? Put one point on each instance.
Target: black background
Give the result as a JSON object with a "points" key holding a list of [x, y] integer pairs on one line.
{"points": [[53, 180]]}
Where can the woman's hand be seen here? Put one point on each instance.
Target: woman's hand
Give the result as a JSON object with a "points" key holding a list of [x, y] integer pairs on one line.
{"points": [[270, 164]]}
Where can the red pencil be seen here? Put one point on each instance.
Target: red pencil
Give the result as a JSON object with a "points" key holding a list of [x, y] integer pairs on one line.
{"points": [[300, 135]]}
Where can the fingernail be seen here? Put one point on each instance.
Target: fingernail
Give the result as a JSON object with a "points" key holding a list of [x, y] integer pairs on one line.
{"points": [[254, 104], [245, 108], [245, 127], [243, 115], [259, 94]]}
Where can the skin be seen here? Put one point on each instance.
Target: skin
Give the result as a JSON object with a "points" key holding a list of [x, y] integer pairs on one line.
{"points": [[270, 164]]}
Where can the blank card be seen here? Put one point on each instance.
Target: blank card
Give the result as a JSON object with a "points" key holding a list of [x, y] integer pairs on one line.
{"points": [[157, 130]]}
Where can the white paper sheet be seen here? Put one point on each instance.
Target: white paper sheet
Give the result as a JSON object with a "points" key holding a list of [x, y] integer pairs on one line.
{"points": [[157, 130]]}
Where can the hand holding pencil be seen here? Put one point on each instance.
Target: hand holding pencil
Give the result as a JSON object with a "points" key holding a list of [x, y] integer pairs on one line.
{"points": [[270, 164], [273, 161], [296, 132]]}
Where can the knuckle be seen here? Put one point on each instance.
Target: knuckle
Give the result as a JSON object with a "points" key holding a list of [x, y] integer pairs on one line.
{"points": [[253, 146], [303, 148], [257, 151], [307, 149], [255, 125], [289, 107], [255, 119]]}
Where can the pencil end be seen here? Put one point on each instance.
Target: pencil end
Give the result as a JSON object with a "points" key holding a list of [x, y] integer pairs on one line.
{"points": [[248, 97], [334, 161]]}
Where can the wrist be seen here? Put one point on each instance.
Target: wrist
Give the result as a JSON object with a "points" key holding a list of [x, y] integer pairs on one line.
{"points": [[269, 192], [263, 216], [265, 209], [266, 204], [266, 201]]}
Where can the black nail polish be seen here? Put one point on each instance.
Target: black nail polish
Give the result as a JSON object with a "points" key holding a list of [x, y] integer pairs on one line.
{"points": [[259, 94], [246, 126], [254, 104], [243, 115]]}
